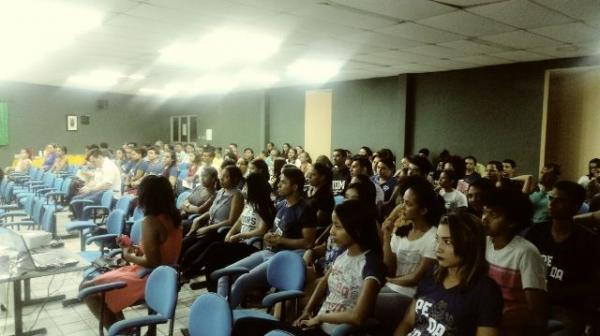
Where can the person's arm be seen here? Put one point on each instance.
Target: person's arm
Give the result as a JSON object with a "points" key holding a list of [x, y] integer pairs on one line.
{"points": [[197, 223], [202, 208], [408, 322], [487, 331], [260, 231], [588, 219], [527, 181], [531, 319], [359, 314], [151, 232], [304, 243], [315, 300], [173, 181], [387, 228], [234, 230], [237, 205], [413, 278]]}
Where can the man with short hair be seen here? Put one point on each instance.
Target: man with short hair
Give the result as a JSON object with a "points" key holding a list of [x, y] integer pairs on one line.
{"points": [[419, 166], [106, 176], [362, 166], [248, 154], [508, 168], [477, 192], [540, 198], [341, 173], [471, 175], [182, 156], [570, 254]]}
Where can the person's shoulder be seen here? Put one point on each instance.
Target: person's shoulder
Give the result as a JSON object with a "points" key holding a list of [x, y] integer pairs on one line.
{"points": [[538, 230]]}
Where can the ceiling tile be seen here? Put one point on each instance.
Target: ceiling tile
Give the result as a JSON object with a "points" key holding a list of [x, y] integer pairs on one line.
{"points": [[276, 5], [437, 51], [344, 17], [521, 13], [466, 23], [587, 10], [572, 32], [400, 9], [482, 60], [468, 3], [420, 33], [382, 40], [520, 56], [564, 51], [521, 40], [473, 47]]}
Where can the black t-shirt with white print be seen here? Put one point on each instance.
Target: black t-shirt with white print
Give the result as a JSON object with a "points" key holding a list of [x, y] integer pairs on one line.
{"points": [[568, 263], [341, 179], [456, 311]]}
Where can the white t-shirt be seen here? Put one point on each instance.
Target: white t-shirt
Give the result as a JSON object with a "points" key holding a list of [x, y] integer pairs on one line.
{"points": [[109, 173], [409, 254], [379, 194], [516, 267], [454, 199], [348, 273], [250, 219]]}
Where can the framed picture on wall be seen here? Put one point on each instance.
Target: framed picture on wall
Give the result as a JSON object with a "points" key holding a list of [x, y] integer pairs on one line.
{"points": [[72, 123]]}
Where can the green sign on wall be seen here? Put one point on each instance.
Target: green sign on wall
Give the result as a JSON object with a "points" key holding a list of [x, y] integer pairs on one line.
{"points": [[3, 124]]}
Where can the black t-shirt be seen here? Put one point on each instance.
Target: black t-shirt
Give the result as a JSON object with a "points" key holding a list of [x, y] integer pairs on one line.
{"points": [[341, 179], [290, 220], [569, 263], [322, 200], [456, 311]]}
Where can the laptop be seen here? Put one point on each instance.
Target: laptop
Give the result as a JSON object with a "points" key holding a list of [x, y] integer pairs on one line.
{"points": [[40, 261]]}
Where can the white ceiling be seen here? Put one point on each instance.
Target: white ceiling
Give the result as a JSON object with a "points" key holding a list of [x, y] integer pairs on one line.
{"points": [[373, 38]]}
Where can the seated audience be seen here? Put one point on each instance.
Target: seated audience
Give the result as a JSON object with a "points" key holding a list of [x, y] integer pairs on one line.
{"points": [[292, 157], [193, 170], [225, 211], [362, 166], [471, 175], [22, 162], [106, 176], [154, 162], [305, 163], [259, 166], [418, 165], [49, 157], [408, 248], [161, 243], [457, 297], [181, 156], [248, 154], [573, 282], [348, 291], [593, 167], [540, 198], [508, 168], [137, 170], [478, 190], [341, 173], [293, 229], [201, 197], [366, 152], [242, 164], [61, 163], [385, 178], [170, 170], [453, 199], [256, 218], [320, 196], [515, 263]]}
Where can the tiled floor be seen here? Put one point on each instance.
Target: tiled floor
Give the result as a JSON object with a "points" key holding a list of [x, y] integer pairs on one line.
{"points": [[75, 320]]}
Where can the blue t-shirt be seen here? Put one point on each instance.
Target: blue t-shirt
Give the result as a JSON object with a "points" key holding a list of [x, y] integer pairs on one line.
{"points": [[154, 168], [170, 172], [49, 161], [140, 165], [456, 311], [290, 220]]}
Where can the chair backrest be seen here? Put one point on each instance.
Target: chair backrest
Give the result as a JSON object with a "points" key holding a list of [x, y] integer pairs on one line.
{"points": [[107, 198], [123, 204], [210, 315], [181, 198], [182, 174], [138, 213], [136, 231], [115, 222], [286, 271], [278, 333], [48, 223], [58, 182], [36, 212], [161, 291], [66, 185]]}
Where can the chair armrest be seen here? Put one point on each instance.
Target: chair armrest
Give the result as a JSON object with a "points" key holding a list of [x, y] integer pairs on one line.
{"points": [[194, 216], [82, 201], [80, 225], [348, 329], [27, 222], [136, 322], [228, 271], [253, 240], [11, 214], [103, 239], [271, 299], [44, 190], [101, 289], [224, 229], [9, 207], [88, 208]]}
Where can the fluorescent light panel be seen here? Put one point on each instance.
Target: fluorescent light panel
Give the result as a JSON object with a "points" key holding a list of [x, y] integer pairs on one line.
{"points": [[313, 70], [222, 47]]}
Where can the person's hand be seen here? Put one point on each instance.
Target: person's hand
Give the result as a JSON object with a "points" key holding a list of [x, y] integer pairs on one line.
{"points": [[128, 253], [388, 226], [123, 241], [84, 190], [303, 317], [394, 281], [236, 238], [202, 231], [310, 323], [273, 240]]}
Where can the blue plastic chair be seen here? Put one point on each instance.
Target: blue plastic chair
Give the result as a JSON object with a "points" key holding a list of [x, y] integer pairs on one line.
{"points": [[90, 210], [285, 272], [210, 315], [123, 204], [114, 227], [278, 333], [181, 198], [160, 297]]}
